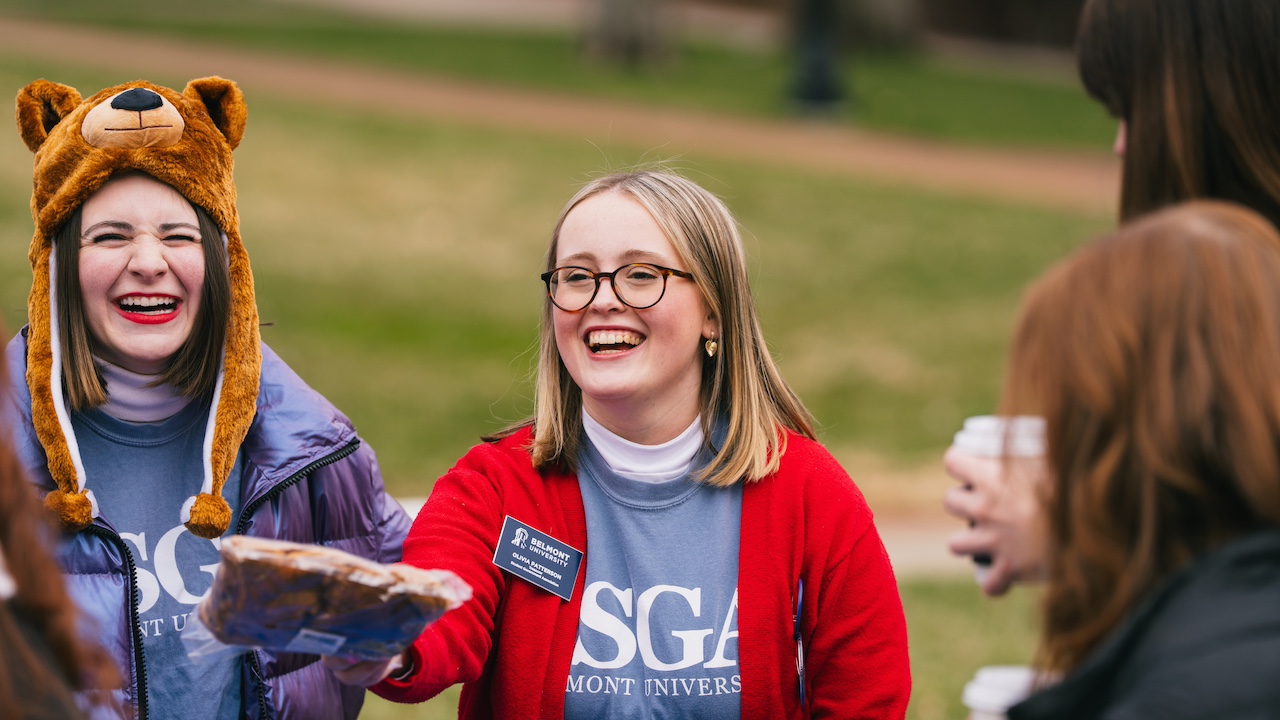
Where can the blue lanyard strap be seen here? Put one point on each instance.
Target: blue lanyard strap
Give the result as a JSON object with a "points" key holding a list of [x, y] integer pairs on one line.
{"points": [[799, 639]]}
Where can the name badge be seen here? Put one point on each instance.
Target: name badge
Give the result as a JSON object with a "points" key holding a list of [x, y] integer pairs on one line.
{"points": [[537, 557]]}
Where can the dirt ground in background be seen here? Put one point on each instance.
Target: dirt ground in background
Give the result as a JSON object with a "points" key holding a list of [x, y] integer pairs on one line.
{"points": [[907, 502], [744, 27], [1077, 182]]}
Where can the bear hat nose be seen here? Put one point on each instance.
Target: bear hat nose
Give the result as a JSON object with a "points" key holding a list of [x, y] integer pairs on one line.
{"points": [[137, 99]]}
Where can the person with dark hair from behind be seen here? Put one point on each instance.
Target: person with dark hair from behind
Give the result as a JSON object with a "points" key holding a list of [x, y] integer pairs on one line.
{"points": [[1151, 354], [1195, 86], [43, 663]]}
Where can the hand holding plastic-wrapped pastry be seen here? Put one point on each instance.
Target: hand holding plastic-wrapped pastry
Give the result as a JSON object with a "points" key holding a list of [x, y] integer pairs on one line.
{"points": [[313, 599]]}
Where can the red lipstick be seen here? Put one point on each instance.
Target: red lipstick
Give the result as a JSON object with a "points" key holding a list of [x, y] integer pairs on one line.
{"points": [[153, 314]]}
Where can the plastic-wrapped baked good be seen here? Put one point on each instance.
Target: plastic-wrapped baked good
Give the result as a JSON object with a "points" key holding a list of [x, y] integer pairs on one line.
{"points": [[314, 599]]}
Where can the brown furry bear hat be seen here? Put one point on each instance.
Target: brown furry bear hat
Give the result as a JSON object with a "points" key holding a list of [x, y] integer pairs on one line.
{"points": [[182, 139]]}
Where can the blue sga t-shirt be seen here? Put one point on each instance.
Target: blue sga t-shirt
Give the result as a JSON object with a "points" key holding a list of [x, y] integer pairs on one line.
{"points": [[658, 631], [142, 473]]}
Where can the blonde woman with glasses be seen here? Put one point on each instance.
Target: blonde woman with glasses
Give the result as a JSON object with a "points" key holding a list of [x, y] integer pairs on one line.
{"points": [[664, 538]]}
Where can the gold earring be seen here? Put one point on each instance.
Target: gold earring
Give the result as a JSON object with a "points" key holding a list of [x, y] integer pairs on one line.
{"points": [[711, 346]]}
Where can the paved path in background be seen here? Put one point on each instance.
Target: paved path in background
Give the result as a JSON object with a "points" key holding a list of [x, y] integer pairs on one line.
{"points": [[1059, 180], [744, 27], [916, 544]]}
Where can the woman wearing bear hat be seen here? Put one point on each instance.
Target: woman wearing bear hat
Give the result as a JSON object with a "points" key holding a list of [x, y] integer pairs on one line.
{"points": [[151, 415]]}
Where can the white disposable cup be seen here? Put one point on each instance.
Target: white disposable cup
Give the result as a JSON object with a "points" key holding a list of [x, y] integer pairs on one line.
{"points": [[995, 689], [995, 436]]}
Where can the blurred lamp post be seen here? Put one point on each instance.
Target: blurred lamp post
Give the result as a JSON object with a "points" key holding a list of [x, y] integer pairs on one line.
{"points": [[817, 88], [632, 33]]}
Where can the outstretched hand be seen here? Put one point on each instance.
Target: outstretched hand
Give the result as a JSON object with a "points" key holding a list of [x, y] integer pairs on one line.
{"points": [[363, 673], [999, 499]]}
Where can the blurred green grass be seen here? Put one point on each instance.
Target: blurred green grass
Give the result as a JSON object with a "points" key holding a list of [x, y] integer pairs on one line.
{"points": [[397, 264], [396, 261], [902, 92]]}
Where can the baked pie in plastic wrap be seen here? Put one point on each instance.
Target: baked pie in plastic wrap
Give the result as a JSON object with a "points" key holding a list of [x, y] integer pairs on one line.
{"points": [[293, 597]]}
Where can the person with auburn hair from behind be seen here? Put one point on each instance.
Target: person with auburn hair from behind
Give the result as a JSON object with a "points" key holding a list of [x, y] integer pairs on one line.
{"points": [[1151, 354], [1195, 87], [43, 663]]}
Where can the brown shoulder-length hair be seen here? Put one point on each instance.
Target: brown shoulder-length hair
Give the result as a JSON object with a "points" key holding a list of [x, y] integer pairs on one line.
{"points": [[41, 605], [741, 384], [1154, 356], [1197, 83], [194, 370]]}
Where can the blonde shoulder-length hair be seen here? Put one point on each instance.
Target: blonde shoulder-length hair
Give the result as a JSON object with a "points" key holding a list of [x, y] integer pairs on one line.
{"points": [[741, 385]]}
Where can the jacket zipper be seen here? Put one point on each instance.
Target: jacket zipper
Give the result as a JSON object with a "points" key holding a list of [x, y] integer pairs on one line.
{"points": [[139, 658], [248, 511]]}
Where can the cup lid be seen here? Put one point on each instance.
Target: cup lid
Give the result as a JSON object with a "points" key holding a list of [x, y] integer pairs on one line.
{"points": [[996, 436], [997, 688]]}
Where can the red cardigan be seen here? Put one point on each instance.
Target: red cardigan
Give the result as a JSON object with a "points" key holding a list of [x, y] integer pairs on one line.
{"points": [[512, 643]]}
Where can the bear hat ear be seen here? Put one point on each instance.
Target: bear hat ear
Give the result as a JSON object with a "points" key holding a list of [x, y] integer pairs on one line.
{"points": [[41, 106], [224, 102]]}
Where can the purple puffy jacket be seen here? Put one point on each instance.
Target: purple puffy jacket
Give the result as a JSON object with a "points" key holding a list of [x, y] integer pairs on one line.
{"points": [[306, 477]]}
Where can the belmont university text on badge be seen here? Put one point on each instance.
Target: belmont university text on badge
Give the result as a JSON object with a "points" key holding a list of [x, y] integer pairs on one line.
{"points": [[537, 557]]}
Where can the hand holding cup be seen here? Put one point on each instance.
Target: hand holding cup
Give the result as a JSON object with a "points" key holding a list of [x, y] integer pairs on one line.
{"points": [[999, 463]]}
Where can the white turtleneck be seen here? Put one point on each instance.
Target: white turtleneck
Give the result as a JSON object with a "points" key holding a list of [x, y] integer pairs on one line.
{"points": [[132, 397], [645, 463]]}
